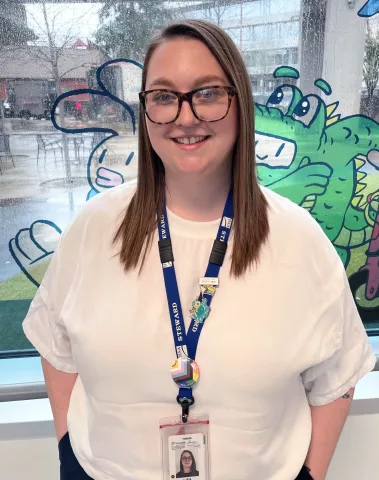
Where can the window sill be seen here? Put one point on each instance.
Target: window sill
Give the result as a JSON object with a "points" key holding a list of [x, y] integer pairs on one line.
{"points": [[34, 419], [22, 378]]}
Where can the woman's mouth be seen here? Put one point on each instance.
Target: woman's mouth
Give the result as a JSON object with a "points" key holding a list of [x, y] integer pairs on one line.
{"points": [[190, 143]]}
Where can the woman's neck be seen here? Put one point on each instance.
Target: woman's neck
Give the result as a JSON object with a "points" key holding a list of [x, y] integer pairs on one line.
{"points": [[196, 197]]}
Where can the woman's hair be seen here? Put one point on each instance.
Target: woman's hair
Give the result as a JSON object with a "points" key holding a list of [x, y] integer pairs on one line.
{"points": [[193, 465], [250, 207]]}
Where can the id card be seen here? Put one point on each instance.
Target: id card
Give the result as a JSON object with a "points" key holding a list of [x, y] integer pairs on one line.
{"points": [[185, 448]]}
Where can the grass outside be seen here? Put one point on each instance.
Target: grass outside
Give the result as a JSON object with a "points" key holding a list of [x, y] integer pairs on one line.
{"points": [[15, 297]]}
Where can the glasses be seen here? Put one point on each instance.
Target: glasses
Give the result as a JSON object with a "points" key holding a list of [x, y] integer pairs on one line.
{"points": [[187, 459], [209, 104]]}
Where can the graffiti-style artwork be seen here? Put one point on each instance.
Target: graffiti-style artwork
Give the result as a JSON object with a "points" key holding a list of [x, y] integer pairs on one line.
{"points": [[32, 247], [305, 151], [103, 171], [327, 164], [369, 9]]}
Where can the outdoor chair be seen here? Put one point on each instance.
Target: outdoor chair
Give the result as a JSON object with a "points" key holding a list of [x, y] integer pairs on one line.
{"points": [[45, 147]]}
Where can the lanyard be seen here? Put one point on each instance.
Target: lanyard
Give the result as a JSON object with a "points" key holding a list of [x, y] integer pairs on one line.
{"points": [[186, 343]]}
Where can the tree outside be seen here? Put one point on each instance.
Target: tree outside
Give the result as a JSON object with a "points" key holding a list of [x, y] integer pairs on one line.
{"points": [[126, 27]]}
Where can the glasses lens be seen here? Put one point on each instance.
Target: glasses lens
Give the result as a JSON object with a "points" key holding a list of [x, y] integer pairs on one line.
{"points": [[186, 459], [161, 106], [211, 103]]}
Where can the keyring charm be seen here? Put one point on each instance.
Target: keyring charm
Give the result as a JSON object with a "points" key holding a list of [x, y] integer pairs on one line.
{"points": [[185, 372], [200, 310]]}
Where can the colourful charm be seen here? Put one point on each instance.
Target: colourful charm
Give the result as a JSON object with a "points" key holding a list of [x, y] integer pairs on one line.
{"points": [[185, 372], [200, 310], [208, 290]]}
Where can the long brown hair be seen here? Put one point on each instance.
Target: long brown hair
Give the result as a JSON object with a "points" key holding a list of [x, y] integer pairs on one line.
{"points": [[250, 207]]}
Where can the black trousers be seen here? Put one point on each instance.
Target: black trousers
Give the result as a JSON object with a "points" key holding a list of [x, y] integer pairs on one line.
{"points": [[71, 470]]}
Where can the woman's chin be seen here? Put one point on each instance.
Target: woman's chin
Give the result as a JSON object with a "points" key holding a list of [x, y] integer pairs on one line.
{"points": [[191, 165]]}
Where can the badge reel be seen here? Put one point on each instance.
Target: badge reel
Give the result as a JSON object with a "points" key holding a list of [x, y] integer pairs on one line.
{"points": [[184, 446]]}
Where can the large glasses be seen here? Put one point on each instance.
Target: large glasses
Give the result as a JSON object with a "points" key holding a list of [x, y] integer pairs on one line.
{"points": [[209, 104], [186, 459]]}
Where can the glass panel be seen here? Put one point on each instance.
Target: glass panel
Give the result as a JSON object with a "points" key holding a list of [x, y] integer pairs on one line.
{"points": [[49, 168]]}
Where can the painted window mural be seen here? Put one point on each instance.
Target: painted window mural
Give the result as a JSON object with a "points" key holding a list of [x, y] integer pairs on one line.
{"points": [[70, 73]]}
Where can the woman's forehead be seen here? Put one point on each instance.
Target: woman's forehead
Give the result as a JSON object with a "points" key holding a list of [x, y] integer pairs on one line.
{"points": [[183, 64]]}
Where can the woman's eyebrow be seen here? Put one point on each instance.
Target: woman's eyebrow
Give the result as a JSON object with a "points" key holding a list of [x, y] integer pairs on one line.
{"points": [[162, 81]]}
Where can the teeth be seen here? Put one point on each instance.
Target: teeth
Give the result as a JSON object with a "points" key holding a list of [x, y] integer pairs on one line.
{"points": [[190, 140]]}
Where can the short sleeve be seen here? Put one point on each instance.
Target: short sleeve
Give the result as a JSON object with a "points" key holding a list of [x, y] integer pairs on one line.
{"points": [[43, 325], [349, 357]]}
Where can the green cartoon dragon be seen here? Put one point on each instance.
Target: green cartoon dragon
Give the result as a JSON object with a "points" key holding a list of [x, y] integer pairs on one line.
{"points": [[319, 160]]}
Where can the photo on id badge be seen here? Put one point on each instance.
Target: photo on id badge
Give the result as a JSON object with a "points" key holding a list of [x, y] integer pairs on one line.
{"points": [[187, 456]]}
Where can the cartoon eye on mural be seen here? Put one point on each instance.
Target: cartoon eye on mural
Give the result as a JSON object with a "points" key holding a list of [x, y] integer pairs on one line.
{"points": [[369, 9], [107, 165], [304, 151]]}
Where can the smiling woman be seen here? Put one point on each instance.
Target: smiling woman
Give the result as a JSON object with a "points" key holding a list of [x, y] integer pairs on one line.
{"points": [[195, 145], [197, 207]]}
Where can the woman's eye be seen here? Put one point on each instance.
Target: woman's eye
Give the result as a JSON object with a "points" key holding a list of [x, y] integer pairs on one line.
{"points": [[163, 97], [208, 94], [307, 109], [281, 98]]}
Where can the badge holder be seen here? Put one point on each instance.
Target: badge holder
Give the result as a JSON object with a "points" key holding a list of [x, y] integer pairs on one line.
{"points": [[185, 447]]}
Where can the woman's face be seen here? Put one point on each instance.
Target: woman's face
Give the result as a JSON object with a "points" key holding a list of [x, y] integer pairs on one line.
{"points": [[186, 461], [183, 65]]}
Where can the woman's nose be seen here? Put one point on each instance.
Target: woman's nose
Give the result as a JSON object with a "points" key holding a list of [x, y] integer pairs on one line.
{"points": [[186, 116]]}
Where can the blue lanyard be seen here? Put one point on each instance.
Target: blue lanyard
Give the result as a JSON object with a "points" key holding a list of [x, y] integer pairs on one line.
{"points": [[186, 343]]}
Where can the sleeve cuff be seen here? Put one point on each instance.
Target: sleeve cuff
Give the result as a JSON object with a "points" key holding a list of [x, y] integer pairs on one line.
{"points": [[45, 352], [366, 367]]}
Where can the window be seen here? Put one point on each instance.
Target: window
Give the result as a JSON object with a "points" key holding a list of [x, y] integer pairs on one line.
{"points": [[46, 176], [275, 7], [251, 9]]}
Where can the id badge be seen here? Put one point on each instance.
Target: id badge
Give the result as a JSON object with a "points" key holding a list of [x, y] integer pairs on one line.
{"points": [[185, 448]]}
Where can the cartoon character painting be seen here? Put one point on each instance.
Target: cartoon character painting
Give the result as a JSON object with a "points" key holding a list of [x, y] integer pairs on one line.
{"points": [[305, 151], [107, 166], [369, 9], [108, 162], [327, 164]]}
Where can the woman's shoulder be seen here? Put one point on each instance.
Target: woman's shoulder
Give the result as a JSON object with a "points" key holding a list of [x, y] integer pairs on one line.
{"points": [[98, 218], [110, 202], [106, 208], [287, 217], [294, 232]]}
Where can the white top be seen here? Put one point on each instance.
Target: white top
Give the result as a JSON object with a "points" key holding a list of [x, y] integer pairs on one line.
{"points": [[285, 336]]}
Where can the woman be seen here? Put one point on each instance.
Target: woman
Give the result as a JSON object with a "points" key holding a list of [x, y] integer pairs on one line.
{"points": [[283, 346], [187, 465]]}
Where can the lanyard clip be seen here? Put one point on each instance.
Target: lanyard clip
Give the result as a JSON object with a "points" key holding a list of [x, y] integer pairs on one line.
{"points": [[165, 251], [185, 403]]}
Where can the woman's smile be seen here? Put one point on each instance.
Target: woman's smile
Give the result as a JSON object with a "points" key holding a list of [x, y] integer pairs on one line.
{"points": [[191, 143]]}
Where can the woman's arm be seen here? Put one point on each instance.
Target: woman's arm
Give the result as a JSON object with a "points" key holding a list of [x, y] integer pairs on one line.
{"points": [[59, 386], [327, 424]]}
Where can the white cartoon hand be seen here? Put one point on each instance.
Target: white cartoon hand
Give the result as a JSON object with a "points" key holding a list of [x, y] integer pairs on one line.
{"points": [[33, 247]]}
